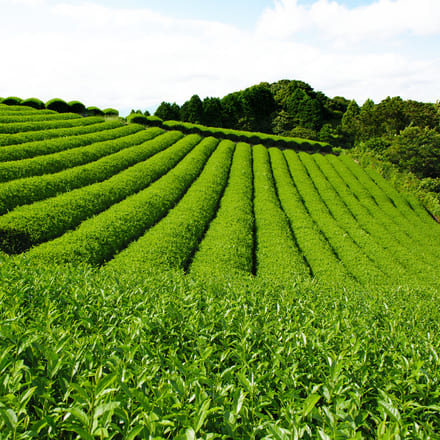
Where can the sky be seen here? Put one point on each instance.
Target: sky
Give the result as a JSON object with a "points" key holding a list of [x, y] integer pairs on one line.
{"points": [[134, 54]]}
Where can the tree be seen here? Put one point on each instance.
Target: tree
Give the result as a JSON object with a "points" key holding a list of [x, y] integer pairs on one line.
{"points": [[212, 112], [232, 110], [351, 120], [369, 126], [258, 105], [168, 112], [192, 110], [418, 150]]}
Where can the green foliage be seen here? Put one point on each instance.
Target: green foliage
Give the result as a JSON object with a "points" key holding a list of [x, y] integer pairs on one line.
{"points": [[228, 246], [52, 163], [98, 239], [212, 112], [79, 136], [94, 111], [309, 308], [351, 120], [110, 112], [136, 118], [417, 150], [126, 356], [171, 242], [276, 249], [167, 111], [31, 189], [12, 100], [52, 217], [34, 103], [192, 110], [82, 126], [77, 107], [58, 105]]}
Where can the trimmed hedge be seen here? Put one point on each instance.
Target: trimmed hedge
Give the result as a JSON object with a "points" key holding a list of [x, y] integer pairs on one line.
{"points": [[58, 105], [34, 103], [227, 248], [52, 163], [94, 111], [12, 100], [110, 112], [265, 139], [77, 107], [28, 190], [92, 133], [99, 238], [52, 217], [171, 242], [85, 125]]}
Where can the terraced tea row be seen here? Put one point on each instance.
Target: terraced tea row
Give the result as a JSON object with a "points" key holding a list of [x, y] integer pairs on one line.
{"points": [[156, 200]]}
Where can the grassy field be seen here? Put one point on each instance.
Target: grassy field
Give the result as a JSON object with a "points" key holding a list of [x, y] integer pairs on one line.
{"points": [[161, 285]]}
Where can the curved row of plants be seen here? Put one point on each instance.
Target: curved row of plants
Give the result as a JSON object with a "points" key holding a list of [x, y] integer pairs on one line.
{"points": [[31, 189], [51, 163], [234, 135], [76, 137], [99, 238], [84, 126], [57, 105], [41, 221], [171, 243], [276, 250], [320, 256], [227, 249]]}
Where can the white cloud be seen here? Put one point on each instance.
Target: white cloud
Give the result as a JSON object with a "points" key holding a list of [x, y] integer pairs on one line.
{"points": [[380, 19], [136, 58]]}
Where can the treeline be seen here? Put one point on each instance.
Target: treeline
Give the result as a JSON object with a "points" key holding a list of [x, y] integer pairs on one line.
{"points": [[60, 106], [284, 108], [403, 132]]}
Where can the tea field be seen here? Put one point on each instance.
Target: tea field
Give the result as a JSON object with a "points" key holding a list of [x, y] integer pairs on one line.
{"points": [[159, 284]]}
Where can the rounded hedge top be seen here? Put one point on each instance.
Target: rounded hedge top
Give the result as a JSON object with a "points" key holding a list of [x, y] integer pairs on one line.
{"points": [[77, 107], [58, 105], [34, 103], [12, 100]]}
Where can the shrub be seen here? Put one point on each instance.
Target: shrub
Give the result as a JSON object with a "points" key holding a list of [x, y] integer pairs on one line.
{"points": [[77, 107], [12, 100], [136, 118], [94, 111], [58, 105], [111, 112], [34, 103]]}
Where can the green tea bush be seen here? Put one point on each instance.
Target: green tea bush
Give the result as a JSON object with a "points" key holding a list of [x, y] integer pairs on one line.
{"points": [[98, 239], [58, 105], [34, 103], [31, 189], [94, 111], [110, 112], [50, 218], [52, 163], [77, 107], [12, 100], [171, 242]]}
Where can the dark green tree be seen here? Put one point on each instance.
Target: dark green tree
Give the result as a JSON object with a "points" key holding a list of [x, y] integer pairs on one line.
{"points": [[232, 110], [418, 150], [168, 112], [212, 112], [192, 110], [351, 121]]}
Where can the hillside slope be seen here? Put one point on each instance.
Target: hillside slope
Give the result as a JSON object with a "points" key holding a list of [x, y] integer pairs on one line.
{"points": [[152, 200], [157, 285]]}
